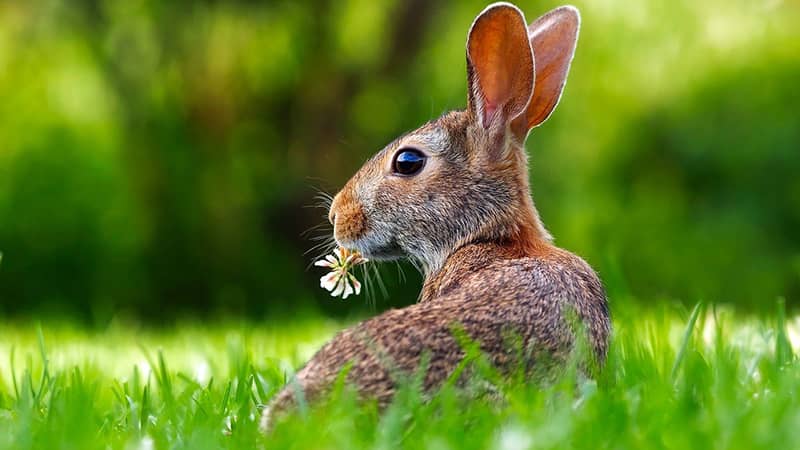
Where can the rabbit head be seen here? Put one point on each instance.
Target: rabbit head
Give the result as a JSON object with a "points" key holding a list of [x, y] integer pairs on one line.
{"points": [[463, 177]]}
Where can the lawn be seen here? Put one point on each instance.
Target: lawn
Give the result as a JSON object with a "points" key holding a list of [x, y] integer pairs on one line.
{"points": [[706, 378]]}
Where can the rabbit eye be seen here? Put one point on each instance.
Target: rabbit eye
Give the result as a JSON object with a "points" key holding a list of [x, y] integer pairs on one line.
{"points": [[408, 161]]}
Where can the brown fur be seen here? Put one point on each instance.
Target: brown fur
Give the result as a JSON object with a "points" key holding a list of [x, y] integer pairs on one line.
{"points": [[352, 222], [468, 221]]}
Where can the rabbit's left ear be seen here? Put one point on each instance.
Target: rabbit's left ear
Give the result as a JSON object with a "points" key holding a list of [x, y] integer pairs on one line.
{"points": [[499, 67]]}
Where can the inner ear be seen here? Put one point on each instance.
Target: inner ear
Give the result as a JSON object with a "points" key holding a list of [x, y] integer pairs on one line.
{"points": [[499, 65]]}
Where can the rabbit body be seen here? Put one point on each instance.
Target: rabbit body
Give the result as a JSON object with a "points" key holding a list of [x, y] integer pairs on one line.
{"points": [[465, 216]]}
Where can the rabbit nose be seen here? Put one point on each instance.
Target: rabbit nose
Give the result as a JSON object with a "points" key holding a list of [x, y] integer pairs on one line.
{"points": [[335, 205], [332, 210]]}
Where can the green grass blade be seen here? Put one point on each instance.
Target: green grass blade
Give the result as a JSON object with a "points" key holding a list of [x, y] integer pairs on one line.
{"points": [[783, 347], [13, 372], [687, 335]]}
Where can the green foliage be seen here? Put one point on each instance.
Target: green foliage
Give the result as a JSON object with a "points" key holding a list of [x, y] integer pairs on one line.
{"points": [[158, 156], [707, 379]]}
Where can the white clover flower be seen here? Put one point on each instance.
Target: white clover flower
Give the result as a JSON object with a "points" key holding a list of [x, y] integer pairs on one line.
{"points": [[340, 280]]}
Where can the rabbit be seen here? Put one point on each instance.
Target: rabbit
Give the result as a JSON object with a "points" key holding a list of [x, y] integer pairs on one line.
{"points": [[453, 197]]}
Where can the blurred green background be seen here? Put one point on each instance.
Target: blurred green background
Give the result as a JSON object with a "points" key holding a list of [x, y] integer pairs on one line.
{"points": [[161, 159]]}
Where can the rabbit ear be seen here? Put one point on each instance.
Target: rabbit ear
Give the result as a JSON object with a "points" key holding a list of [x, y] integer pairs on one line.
{"points": [[553, 38], [499, 66]]}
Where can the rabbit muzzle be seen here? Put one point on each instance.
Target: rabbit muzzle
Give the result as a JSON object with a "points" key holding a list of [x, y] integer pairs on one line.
{"points": [[351, 229], [347, 217]]}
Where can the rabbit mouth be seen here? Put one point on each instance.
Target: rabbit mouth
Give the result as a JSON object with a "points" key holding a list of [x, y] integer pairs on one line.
{"points": [[374, 248], [383, 254]]}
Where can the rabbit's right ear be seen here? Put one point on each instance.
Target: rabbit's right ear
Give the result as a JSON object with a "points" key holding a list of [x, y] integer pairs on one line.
{"points": [[553, 38], [499, 67]]}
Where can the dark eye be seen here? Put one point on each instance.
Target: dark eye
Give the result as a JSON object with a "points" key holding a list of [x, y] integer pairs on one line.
{"points": [[408, 161]]}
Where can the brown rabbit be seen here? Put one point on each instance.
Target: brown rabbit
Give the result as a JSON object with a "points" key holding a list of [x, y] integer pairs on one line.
{"points": [[453, 197]]}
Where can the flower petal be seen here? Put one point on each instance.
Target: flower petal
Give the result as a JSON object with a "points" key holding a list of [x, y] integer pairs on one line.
{"points": [[323, 263], [356, 284], [347, 288], [329, 281], [339, 287]]}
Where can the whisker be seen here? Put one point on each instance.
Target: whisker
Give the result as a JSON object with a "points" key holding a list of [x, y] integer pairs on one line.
{"points": [[324, 248], [320, 245], [320, 250], [324, 241], [322, 195], [324, 237], [401, 274], [321, 226], [381, 284], [369, 292], [322, 199], [416, 264]]}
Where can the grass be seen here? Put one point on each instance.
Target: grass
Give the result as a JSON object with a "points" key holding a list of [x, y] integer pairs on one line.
{"points": [[674, 379]]}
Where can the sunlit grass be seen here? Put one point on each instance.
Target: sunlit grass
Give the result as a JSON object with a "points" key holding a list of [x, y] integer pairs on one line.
{"points": [[706, 379]]}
